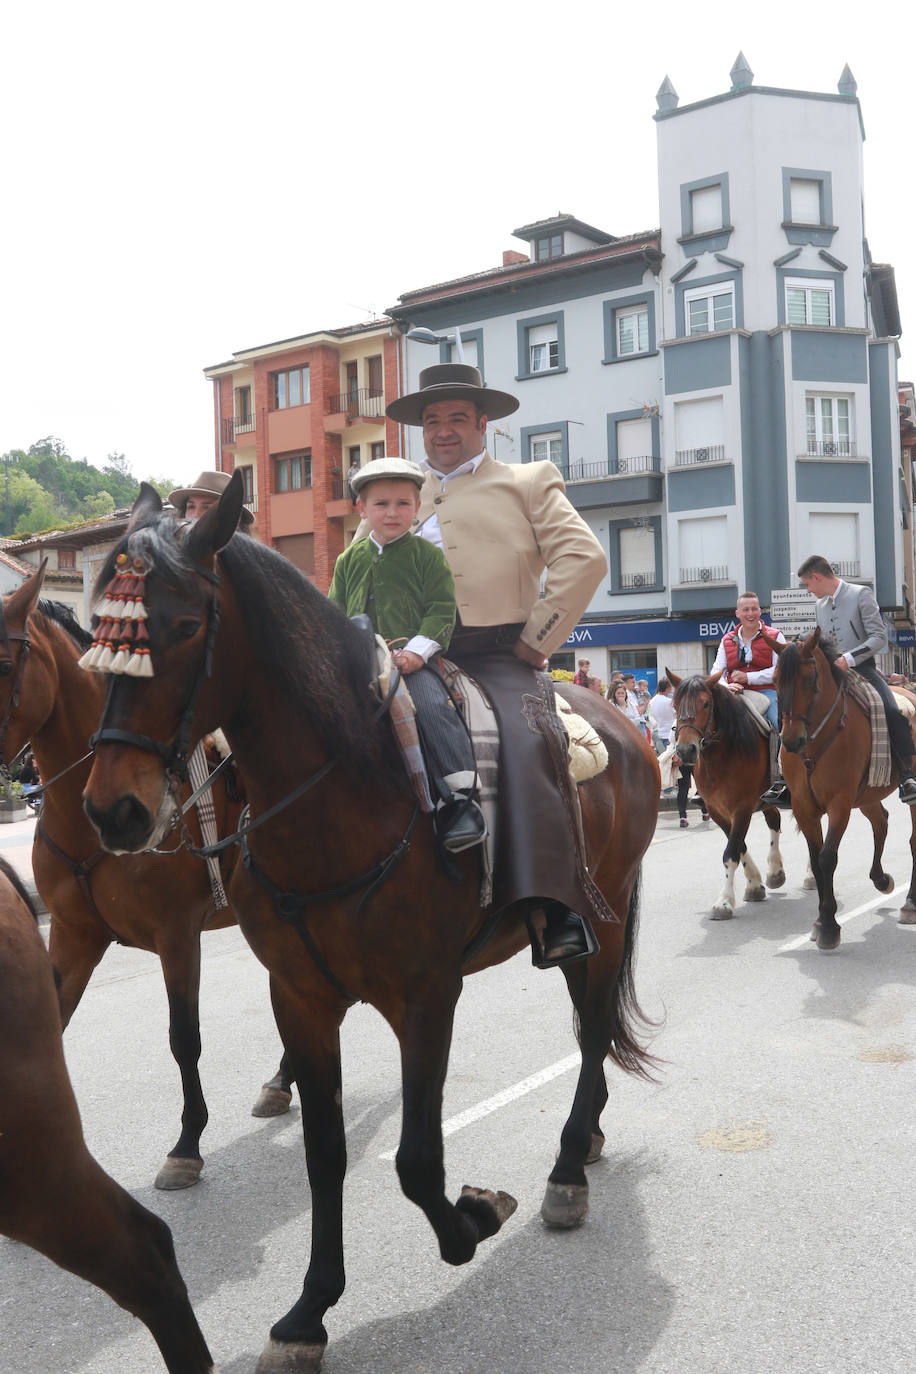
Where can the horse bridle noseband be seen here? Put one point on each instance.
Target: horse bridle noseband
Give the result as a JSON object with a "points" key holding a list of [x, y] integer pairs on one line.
{"points": [[174, 755], [703, 738]]}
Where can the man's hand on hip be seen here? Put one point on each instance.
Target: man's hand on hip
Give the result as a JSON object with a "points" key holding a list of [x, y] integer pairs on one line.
{"points": [[521, 650]]}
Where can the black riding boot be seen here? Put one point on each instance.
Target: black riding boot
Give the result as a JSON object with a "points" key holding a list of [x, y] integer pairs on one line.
{"points": [[898, 728]]}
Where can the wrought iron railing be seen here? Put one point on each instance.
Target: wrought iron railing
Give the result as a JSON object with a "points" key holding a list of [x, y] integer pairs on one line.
{"points": [[366, 401], [846, 567], [832, 448], [233, 425], [584, 470], [714, 572], [705, 453], [632, 581]]}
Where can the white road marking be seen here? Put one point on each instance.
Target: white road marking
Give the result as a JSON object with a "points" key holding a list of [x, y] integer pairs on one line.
{"points": [[803, 940], [493, 1104]]}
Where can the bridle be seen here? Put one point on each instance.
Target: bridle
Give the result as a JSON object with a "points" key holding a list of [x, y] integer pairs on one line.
{"points": [[705, 737], [6, 634], [174, 755], [788, 716]]}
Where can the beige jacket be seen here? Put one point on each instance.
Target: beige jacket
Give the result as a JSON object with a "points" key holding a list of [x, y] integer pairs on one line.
{"points": [[501, 527]]}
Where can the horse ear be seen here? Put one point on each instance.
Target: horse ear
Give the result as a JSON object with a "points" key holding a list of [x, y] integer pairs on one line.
{"points": [[21, 603], [808, 646], [672, 678], [218, 524], [147, 505], [777, 647], [714, 678]]}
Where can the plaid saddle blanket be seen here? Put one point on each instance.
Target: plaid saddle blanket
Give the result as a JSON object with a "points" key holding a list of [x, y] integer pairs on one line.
{"points": [[880, 767]]}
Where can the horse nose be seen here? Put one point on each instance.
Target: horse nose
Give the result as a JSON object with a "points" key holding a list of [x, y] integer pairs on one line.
{"points": [[796, 744], [687, 753], [124, 826]]}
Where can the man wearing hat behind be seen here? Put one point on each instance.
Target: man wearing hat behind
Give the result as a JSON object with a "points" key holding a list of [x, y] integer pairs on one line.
{"points": [[500, 525], [191, 502], [405, 587]]}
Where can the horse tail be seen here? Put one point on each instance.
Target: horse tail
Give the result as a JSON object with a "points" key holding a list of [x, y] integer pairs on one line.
{"points": [[629, 1023]]}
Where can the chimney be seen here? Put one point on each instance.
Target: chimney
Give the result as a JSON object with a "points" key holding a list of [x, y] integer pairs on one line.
{"points": [[510, 257]]}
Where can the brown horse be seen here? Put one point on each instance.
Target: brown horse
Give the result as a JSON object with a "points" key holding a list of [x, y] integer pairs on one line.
{"points": [[826, 749], [731, 766], [53, 1195], [159, 903], [341, 895]]}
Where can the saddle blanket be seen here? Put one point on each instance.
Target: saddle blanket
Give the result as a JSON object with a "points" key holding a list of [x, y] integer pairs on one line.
{"points": [[881, 764]]}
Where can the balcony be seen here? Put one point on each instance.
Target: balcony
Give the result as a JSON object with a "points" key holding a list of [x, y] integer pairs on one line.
{"points": [[360, 406], [621, 482], [831, 448], [235, 425], [698, 457], [846, 567]]}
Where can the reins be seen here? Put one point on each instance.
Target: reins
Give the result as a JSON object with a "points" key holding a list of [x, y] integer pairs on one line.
{"points": [[811, 760]]}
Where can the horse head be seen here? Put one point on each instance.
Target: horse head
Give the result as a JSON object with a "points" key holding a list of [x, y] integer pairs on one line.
{"points": [[694, 705], [149, 727], [797, 687], [15, 645]]}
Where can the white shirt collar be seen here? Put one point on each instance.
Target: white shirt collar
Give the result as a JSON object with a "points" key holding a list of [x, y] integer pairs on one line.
{"points": [[382, 547], [471, 465]]}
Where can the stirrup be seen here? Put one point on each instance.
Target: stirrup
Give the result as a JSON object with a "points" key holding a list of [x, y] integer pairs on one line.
{"points": [[538, 954]]}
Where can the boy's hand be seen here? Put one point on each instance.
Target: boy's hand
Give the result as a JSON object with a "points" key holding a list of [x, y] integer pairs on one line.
{"points": [[407, 661]]}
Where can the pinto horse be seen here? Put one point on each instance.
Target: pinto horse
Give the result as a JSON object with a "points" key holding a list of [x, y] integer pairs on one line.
{"points": [[731, 766], [53, 1195], [159, 903], [341, 893], [826, 750]]}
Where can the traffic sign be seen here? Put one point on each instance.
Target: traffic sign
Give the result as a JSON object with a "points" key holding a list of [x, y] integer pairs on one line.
{"points": [[793, 628], [785, 598]]}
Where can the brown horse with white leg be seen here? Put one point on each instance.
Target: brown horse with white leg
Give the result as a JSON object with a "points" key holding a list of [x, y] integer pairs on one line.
{"points": [[731, 767], [154, 902], [53, 1195], [826, 752], [341, 893]]}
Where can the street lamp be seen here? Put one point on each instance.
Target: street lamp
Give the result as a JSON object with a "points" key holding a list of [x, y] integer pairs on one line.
{"points": [[429, 336]]}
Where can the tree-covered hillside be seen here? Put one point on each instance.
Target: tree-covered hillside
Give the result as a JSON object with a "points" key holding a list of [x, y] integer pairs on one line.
{"points": [[43, 488]]}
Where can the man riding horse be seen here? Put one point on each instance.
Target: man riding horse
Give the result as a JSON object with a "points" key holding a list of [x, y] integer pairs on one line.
{"points": [[500, 525], [747, 663]]}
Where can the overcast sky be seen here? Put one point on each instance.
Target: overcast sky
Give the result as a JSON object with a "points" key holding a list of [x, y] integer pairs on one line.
{"points": [[189, 179]]}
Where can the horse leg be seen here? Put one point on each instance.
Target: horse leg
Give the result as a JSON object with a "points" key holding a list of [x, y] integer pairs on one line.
{"points": [[724, 908], [181, 971], [425, 1035], [776, 873], [877, 819], [907, 915], [311, 1036], [276, 1094], [826, 930], [754, 890], [76, 949]]}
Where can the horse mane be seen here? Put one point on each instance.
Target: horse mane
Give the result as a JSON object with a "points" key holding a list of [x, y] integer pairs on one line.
{"points": [[61, 614], [308, 648], [733, 721], [790, 661]]}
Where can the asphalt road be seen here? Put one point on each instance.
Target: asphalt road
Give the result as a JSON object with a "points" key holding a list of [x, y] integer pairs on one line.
{"points": [[754, 1211]]}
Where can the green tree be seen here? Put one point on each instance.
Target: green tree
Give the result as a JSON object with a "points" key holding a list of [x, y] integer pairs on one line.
{"points": [[31, 507], [96, 506]]}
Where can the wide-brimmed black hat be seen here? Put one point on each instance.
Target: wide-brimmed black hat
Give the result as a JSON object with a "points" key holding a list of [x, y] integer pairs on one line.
{"points": [[451, 382]]}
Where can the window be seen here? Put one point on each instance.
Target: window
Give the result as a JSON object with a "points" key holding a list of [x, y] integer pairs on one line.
{"points": [[634, 445], [543, 348], [353, 455], [243, 417], [247, 484], [632, 330], [66, 560], [375, 375], [706, 209], [699, 429], [637, 548], [293, 471], [710, 309], [809, 303], [377, 450], [471, 354], [828, 426], [703, 549], [290, 388], [546, 447], [804, 201], [836, 534], [551, 246]]}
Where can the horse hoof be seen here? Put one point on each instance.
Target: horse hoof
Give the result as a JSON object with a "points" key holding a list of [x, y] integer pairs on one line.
{"points": [[565, 1205], [810, 883], [829, 943], [887, 885], [755, 894], [597, 1144], [721, 913], [777, 879], [290, 1357], [815, 932], [907, 916], [178, 1173], [272, 1102], [488, 1208]]}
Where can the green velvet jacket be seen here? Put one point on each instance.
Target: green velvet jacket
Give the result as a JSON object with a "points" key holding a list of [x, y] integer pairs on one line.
{"points": [[406, 589]]}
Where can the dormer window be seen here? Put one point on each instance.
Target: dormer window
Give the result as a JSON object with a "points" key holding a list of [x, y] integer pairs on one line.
{"points": [[551, 246]]}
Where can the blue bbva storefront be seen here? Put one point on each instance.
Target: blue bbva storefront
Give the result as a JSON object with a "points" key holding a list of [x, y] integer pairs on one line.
{"points": [[684, 645]]}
